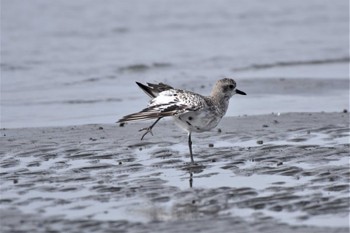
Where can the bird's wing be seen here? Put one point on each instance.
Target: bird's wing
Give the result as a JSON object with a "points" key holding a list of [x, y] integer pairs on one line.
{"points": [[153, 90], [168, 103]]}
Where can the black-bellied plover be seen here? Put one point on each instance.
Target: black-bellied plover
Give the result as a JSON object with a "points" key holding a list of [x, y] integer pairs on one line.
{"points": [[191, 111]]}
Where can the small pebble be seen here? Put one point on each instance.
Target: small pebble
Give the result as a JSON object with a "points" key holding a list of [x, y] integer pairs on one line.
{"points": [[260, 142], [121, 124], [277, 208], [345, 111], [275, 121], [15, 181], [120, 162], [279, 163], [100, 128], [265, 126], [193, 201], [211, 145], [213, 160], [219, 130]]}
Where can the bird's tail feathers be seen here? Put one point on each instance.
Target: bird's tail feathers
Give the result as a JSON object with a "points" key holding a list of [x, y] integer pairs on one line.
{"points": [[144, 115]]}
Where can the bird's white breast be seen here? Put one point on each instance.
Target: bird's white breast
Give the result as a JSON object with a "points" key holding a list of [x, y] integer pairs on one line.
{"points": [[197, 121]]}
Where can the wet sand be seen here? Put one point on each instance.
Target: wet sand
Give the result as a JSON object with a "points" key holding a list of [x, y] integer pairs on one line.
{"points": [[267, 173]]}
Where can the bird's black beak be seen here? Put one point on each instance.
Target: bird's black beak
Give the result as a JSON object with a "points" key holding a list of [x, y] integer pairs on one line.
{"points": [[240, 92]]}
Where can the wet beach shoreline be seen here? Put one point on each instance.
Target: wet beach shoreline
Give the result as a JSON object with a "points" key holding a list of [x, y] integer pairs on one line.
{"points": [[268, 173]]}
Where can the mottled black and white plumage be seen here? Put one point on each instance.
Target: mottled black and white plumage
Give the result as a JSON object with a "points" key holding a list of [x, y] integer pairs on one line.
{"points": [[191, 111]]}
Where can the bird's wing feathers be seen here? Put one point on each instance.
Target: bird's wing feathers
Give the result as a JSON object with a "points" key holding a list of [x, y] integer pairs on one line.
{"points": [[153, 90], [171, 102]]}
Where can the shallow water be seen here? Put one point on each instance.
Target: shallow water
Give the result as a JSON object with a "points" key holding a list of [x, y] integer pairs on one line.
{"points": [[68, 63]]}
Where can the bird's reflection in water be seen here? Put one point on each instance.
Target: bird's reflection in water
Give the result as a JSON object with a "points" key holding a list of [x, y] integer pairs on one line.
{"points": [[191, 180], [194, 169]]}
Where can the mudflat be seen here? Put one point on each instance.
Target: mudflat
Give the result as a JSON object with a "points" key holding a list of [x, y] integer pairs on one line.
{"points": [[265, 173]]}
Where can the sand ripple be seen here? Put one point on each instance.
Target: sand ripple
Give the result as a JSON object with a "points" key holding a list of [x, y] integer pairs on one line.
{"points": [[297, 178]]}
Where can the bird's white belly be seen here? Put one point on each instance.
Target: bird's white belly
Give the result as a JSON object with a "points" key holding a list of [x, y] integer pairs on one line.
{"points": [[197, 122]]}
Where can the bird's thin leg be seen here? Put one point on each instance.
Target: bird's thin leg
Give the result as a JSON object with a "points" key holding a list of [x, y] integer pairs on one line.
{"points": [[191, 180], [149, 129], [190, 146]]}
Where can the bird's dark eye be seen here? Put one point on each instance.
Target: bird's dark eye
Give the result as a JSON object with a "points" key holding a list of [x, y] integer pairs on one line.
{"points": [[231, 87]]}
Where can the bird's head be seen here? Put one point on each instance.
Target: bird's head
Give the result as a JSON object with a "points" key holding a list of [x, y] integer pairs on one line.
{"points": [[226, 88]]}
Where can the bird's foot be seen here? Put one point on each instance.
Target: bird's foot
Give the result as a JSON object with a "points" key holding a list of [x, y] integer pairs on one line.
{"points": [[148, 130]]}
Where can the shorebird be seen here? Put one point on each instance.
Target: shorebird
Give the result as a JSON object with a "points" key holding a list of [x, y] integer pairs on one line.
{"points": [[191, 111]]}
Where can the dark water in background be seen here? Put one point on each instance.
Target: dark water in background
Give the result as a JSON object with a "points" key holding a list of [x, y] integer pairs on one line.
{"points": [[75, 62]]}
